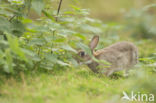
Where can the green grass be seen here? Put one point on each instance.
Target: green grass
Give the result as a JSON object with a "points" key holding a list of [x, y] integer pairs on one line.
{"points": [[70, 86]]}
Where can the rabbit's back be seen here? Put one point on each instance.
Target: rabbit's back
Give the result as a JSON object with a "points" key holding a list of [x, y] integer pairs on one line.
{"points": [[121, 55]]}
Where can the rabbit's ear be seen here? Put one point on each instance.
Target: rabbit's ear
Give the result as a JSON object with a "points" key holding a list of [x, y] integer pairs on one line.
{"points": [[94, 42]]}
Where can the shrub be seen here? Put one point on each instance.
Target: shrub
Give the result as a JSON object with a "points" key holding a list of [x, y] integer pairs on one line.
{"points": [[141, 22], [47, 42]]}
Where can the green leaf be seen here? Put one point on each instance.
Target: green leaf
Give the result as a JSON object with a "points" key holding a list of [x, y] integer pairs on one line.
{"points": [[14, 45], [9, 62], [48, 15], [17, 2], [47, 65], [5, 13], [18, 27], [62, 63], [26, 20], [32, 55], [90, 28], [85, 48], [3, 44], [60, 40], [69, 48], [80, 36], [2, 55], [51, 57], [38, 6], [4, 25], [73, 62], [80, 11], [37, 41]]}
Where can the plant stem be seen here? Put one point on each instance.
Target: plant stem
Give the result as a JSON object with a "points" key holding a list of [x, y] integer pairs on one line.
{"points": [[58, 10]]}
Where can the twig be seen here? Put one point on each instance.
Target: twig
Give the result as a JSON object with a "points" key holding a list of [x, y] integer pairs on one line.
{"points": [[12, 18], [58, 10]]}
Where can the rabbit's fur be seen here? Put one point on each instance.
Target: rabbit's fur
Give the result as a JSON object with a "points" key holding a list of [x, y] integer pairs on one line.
{"points": [[121, 56]]}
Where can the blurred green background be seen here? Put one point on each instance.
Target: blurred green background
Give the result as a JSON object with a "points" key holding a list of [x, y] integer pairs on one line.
{"points": [[108, 10]]}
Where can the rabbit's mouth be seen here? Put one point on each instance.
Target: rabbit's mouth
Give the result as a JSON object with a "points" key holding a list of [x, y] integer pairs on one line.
{"points": [[88, 62], [82, 61], [85, 62]]}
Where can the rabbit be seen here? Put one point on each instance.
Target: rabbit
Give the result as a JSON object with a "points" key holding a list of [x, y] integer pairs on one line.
{"points": [[121, 56]]}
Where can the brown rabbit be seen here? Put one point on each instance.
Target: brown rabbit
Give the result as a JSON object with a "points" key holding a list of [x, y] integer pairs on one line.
{"points": [[121, 56]]}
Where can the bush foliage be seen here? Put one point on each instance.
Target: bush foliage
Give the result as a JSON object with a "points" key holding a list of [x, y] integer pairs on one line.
{"points": [[44, 42]]}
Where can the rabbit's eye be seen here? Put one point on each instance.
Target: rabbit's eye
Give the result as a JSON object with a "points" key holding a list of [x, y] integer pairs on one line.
{"points": [[82, 54]]}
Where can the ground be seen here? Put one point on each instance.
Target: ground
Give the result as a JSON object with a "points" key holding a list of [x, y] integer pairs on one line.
{"points": [[76, 86], [69, 86]]}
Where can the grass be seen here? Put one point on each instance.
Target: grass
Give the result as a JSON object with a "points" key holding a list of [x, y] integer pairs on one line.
{"points": [[69, 86], [76, 86]]}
